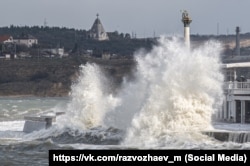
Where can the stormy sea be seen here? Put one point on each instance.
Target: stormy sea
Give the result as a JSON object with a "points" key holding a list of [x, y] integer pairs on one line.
{"points": [[174, 96]]}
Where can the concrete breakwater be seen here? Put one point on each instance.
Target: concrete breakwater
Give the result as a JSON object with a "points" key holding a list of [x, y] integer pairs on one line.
{"points": [[230, 136]]}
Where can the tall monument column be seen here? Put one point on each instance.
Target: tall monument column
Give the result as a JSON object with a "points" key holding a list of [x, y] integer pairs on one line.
{"points": [[186, 21]]}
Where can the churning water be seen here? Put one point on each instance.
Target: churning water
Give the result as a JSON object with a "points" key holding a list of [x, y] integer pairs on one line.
{"points": [[174, 94], [171, 100]]}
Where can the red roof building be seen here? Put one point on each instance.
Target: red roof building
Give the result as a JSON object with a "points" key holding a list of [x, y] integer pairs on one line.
{"points": [[6, 39]]}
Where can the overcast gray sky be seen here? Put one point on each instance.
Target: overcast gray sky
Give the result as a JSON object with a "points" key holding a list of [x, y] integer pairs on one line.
{"points": [[143, 17]]}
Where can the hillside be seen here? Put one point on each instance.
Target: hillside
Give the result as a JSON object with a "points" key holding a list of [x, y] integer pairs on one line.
{"points": [[42, 76], [228, 42], [52, 77], [76, 41]]}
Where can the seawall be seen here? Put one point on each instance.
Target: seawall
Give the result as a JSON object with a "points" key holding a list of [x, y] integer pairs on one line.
{"points": [[229, 136]]}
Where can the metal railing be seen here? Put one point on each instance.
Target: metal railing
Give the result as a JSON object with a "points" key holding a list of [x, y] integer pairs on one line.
{"points": [[244, 86]]}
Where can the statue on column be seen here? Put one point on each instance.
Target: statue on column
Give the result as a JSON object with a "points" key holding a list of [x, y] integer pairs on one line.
{"points": [[185, 18], [185, 14]]}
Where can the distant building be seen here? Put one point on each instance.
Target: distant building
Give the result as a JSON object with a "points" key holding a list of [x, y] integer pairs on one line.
{"points": [[53, 52], [106, 55], [8, 49], [6, 39], [27, 40], [97, 31]]}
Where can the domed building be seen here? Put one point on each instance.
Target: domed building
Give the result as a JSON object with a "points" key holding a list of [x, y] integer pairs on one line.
{"points": [[97, 31]]}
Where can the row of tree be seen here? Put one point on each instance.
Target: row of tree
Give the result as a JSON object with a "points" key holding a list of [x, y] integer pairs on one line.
{"points": [[76, 41]]}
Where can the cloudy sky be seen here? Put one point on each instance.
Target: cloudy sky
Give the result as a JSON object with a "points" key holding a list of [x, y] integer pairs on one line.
{"points": [[143, 17]]}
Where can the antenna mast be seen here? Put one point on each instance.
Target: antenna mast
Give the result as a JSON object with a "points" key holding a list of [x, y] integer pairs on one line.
{"points": [[45, 23]]}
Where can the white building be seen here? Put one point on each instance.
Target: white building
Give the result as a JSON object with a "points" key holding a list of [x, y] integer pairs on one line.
{"points": [[52, 52], [97, 31], [236, 105], [27, 40]]}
